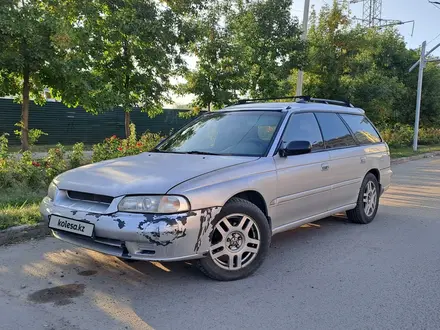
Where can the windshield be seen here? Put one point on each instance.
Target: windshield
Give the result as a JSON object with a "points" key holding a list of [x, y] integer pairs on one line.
{"points": [[245, 133]]}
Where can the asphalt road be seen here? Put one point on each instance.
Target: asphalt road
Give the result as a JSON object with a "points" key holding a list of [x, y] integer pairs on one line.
{"points": [[328, 275]]}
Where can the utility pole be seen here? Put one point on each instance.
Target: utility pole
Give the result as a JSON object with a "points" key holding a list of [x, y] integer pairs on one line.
{"points": [[419, 96], [300, 80], [421, 63]]}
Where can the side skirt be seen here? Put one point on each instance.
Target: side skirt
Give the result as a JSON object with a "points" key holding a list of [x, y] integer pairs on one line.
{"points": [[301, 222]]}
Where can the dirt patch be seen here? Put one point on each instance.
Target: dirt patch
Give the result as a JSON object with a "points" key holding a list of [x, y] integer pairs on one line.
{"points": [[60, 295], [87, 272]]}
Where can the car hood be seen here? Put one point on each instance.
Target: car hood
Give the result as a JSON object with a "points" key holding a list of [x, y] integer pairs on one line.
{"points": [[147, 173]]}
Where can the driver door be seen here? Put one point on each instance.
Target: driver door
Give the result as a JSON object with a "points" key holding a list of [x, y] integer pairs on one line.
{"points": [[304, 183]]}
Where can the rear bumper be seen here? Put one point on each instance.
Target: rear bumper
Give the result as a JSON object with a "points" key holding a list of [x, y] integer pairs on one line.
{"points": [[140, 236], [385, 179]]}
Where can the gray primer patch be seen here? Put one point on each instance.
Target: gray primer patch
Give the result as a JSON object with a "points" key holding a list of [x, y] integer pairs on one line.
{"points": [[87, 272], [163, 229], [121, 223], [60, 295], [206, 219]]}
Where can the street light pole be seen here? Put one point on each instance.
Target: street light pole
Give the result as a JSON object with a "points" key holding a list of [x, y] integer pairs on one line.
{"points": [[419, 96], [300, 80], [421, 63]]}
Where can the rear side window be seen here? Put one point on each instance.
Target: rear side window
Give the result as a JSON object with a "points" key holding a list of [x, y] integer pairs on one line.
{"points": [[336, 134], [362, 129], [304, 127]]}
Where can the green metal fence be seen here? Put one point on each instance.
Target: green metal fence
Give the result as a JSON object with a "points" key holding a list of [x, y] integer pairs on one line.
{"points": [[71, 125]]}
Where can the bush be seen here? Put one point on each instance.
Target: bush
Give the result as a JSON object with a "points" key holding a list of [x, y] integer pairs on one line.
{"points": [[34, 133], [114, 147], [403, 135], [55, 162], [76, 157], [398, 135], [429, 136], [4, 146]]}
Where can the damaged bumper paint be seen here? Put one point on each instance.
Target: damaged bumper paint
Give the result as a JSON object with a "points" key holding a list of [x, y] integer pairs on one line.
{"points": [[169, 237]]}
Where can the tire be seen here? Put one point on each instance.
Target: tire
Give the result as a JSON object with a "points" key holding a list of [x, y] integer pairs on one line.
{"points": [[361, 214], [239, 242]]}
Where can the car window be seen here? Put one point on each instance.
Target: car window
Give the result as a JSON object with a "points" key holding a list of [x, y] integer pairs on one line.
{"points": [[246, 133], [336, 134], [362, 129], [304, 127]]}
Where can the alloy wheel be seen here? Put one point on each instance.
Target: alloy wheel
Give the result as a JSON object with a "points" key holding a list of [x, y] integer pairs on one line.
{"points": [[370, 199], [235, 242]]}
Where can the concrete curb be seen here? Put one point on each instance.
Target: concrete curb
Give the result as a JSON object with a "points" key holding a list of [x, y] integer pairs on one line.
{"points": [[19, 233], [416, 157]]}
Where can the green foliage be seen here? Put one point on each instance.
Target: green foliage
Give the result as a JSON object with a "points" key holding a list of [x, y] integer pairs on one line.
{"points": [[76, 157], [398, 135], [243, 48], [401, 135], [369, 67], [3, 147], [268, 44], [55, 162], [34, 133], [30, 41], [23, 214], [128, 51], [114, 147], [27, 43]]}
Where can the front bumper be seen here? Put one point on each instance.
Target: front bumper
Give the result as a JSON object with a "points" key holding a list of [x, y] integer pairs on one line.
{"points": [[170, 237]]}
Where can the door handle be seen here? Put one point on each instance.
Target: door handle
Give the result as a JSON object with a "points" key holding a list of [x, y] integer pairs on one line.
{"points": [[363, 160], [325, 167]]}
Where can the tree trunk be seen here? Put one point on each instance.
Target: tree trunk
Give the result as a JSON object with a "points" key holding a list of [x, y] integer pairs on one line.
{"points": [[25, 111], [209, 106], [127, 124]]}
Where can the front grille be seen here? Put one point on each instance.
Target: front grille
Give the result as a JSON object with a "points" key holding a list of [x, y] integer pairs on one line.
{"points": [[89, 197]]}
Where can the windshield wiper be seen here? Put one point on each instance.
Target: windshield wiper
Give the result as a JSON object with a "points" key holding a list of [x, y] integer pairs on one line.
{"points": [[195, 152], [157, 150]]}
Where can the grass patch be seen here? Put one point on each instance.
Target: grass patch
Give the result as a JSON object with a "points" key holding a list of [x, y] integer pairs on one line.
{"points": [[19, 207], [399, 152], [26, 214]]}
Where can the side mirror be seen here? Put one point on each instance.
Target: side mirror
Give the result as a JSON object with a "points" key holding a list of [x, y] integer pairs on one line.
{"points": [[296, 148]]}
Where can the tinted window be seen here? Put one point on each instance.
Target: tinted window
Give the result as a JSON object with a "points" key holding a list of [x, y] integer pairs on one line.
{"points": [[246, 133], [336, 134], [304, 127], [362, 129]]}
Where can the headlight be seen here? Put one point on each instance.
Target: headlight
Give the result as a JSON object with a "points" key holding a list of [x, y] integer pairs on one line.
{"points": [[52, 191], [153, 204]]}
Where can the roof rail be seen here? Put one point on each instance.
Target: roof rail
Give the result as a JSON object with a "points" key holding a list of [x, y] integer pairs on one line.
{"points": [[335, 102], [302, 99], [244, 101]]}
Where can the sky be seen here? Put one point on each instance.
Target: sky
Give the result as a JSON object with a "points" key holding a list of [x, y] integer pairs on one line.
{"points": [[425, 15]]}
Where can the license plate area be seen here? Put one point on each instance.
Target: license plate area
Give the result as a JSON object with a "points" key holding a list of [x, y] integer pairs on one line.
{"points": [[72, 226]]}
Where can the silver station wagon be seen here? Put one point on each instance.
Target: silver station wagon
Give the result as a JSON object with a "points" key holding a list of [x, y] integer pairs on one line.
{"points": [[219, 188]]}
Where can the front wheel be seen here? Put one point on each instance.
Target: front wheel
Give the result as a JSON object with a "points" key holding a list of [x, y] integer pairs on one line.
{"points": [[368, 201], [239, 242]]}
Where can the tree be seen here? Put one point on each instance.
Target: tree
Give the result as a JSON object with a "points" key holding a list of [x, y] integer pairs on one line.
{"points": [[129, 50], [268, 43], [365, 66], [28, 42], [246, 48], [214, 81]]}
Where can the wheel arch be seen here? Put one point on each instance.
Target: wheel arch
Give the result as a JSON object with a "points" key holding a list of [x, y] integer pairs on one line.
{"points": [[376, 173], [255, 198]]}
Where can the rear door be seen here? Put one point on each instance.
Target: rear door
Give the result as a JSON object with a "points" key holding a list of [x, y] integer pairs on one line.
{"points": [[303, 182], [376, 153], [347, 160]]}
